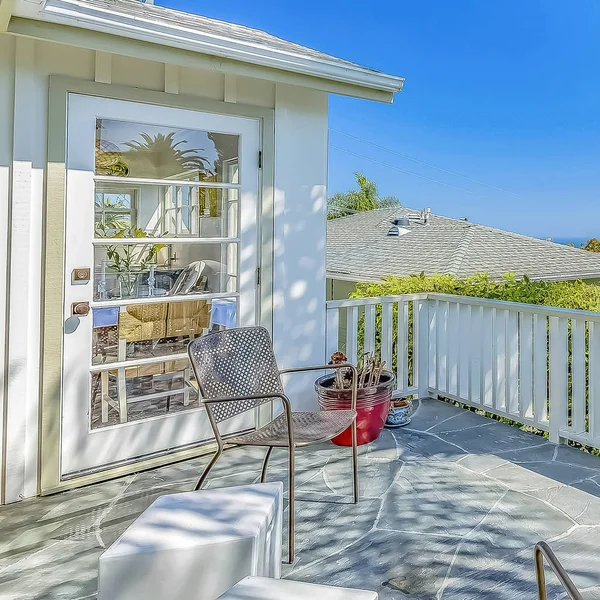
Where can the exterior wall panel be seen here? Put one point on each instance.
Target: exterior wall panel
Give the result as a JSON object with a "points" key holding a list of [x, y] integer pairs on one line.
{"points": [[301, 130], [299, 223]]}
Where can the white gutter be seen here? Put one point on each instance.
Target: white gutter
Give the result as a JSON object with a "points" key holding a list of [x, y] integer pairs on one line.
{"points": [[352, 278], [112, 21]]}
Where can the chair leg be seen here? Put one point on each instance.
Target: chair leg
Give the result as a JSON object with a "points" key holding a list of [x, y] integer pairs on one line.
{"points": [[263, 473], [355, 461], [207, 469], [291, 507]]}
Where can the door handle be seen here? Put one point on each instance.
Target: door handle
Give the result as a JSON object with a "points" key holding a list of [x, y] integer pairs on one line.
{"points": [[81, 309], [78, 310]]}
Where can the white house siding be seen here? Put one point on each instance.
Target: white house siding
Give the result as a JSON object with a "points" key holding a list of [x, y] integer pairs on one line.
{"points": [[300, 235], [300, 179]]}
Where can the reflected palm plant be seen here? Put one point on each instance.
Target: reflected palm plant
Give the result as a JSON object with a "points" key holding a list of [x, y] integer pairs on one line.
{"points": [[161, 156]]}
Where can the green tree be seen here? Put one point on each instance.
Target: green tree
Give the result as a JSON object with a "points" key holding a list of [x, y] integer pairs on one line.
{"points": [[364, 198], [592, 245]]}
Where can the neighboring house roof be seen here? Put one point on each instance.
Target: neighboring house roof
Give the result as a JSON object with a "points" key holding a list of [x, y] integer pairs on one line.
{"points": [[168, 27], [359, 249]]}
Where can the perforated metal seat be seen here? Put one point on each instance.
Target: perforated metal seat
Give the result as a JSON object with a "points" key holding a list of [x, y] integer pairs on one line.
{"points": [[309, 428], [236, 372]]}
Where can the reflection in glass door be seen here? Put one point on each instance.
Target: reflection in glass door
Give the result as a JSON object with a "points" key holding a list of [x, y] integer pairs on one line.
{"points": [[168, 211]]}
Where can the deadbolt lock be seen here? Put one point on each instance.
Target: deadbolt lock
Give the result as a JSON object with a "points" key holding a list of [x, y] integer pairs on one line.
{"points": [[79, 275]]}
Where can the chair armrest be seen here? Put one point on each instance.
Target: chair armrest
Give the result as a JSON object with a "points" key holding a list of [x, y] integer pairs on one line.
{"points": [[335, 366], [287, 407], [282, 397], [317, 368]]}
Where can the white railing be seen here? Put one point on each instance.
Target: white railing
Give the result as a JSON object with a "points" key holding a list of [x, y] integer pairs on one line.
{"points": [[385, 325], [537, 365]]}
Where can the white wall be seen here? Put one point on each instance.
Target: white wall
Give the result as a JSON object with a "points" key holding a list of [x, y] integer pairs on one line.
{"points": [[300, 230], [7, 79], [300, 180]]}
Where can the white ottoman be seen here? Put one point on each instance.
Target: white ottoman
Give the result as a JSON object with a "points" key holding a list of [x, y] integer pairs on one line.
{"points": [[262, 588], [196, 545]]}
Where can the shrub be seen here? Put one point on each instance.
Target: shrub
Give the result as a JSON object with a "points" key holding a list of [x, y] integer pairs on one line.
{"points": [[563, 294]]}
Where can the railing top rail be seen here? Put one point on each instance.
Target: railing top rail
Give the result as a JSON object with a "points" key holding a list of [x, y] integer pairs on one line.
{"points": [[374, 300], [549, 311]]}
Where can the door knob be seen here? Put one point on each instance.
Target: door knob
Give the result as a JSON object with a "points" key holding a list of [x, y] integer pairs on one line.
{"points": [[81, 309]]}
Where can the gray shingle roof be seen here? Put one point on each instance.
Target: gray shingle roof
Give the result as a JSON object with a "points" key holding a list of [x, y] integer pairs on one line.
{"points": [[359, 248]]}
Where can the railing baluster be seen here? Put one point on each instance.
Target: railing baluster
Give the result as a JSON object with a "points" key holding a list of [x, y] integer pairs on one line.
{"points": [[420, 347], [402, 344], [464, 352], [333, 331], [578, 375], [558, 377], [499, 390], [487, 371], [526, 365], [352, 334], [453, 348], [594, 383], [433, 336], [369, 339], [540, 369], [512, 362], [442, 349], [386, 333], [476, 363]]}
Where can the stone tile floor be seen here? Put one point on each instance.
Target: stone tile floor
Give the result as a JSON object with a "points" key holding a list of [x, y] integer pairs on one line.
{"points": [[451, 507]]}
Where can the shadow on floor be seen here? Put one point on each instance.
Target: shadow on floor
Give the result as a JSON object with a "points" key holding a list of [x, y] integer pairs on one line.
{"points": [[451, 507]]}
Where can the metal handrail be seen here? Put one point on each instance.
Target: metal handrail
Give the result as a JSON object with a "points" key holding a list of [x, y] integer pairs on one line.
{"points": [[541, 551]]}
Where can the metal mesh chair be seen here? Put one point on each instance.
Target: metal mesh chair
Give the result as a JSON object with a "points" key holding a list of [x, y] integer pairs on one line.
{"points": [[236, 372]]}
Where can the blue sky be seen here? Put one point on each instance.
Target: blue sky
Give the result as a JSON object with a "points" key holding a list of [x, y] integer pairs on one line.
{"points": [[506, 93]]}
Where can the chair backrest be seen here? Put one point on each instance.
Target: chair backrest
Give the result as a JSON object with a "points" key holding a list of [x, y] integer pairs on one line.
{"points": [[235, 362]]}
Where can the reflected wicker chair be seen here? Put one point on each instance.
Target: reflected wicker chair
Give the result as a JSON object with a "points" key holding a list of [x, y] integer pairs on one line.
{"points": [[237, 372]]}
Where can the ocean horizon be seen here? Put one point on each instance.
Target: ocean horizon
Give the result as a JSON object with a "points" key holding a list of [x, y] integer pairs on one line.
{"points": [[565, 241]]}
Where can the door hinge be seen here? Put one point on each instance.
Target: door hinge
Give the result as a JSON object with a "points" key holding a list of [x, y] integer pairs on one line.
{"points": [[260, 159], [258, 276]]}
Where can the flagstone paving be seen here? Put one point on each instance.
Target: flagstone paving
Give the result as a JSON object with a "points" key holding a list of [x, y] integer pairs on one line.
{"points": [[451, 507]]}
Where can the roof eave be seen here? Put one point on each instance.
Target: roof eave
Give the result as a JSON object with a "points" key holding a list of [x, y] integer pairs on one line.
{"points": [[352, 277], [79, 14]]}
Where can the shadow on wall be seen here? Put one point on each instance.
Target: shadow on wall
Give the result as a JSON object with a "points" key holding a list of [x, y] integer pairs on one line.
{"points": [[299, 289]]}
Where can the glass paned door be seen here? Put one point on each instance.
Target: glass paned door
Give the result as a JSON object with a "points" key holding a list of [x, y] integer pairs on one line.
{"points": [[161, 246]]}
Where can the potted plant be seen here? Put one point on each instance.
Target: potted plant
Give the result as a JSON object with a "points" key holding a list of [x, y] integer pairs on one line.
{"points": [[129, 260], [374, 394]]}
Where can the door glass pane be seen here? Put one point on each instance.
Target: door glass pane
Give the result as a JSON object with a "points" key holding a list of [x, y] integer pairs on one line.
{"points": [[165, 211], [150, 270], [125, 149], [140, 331], [149, 391], [145, 331]]}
